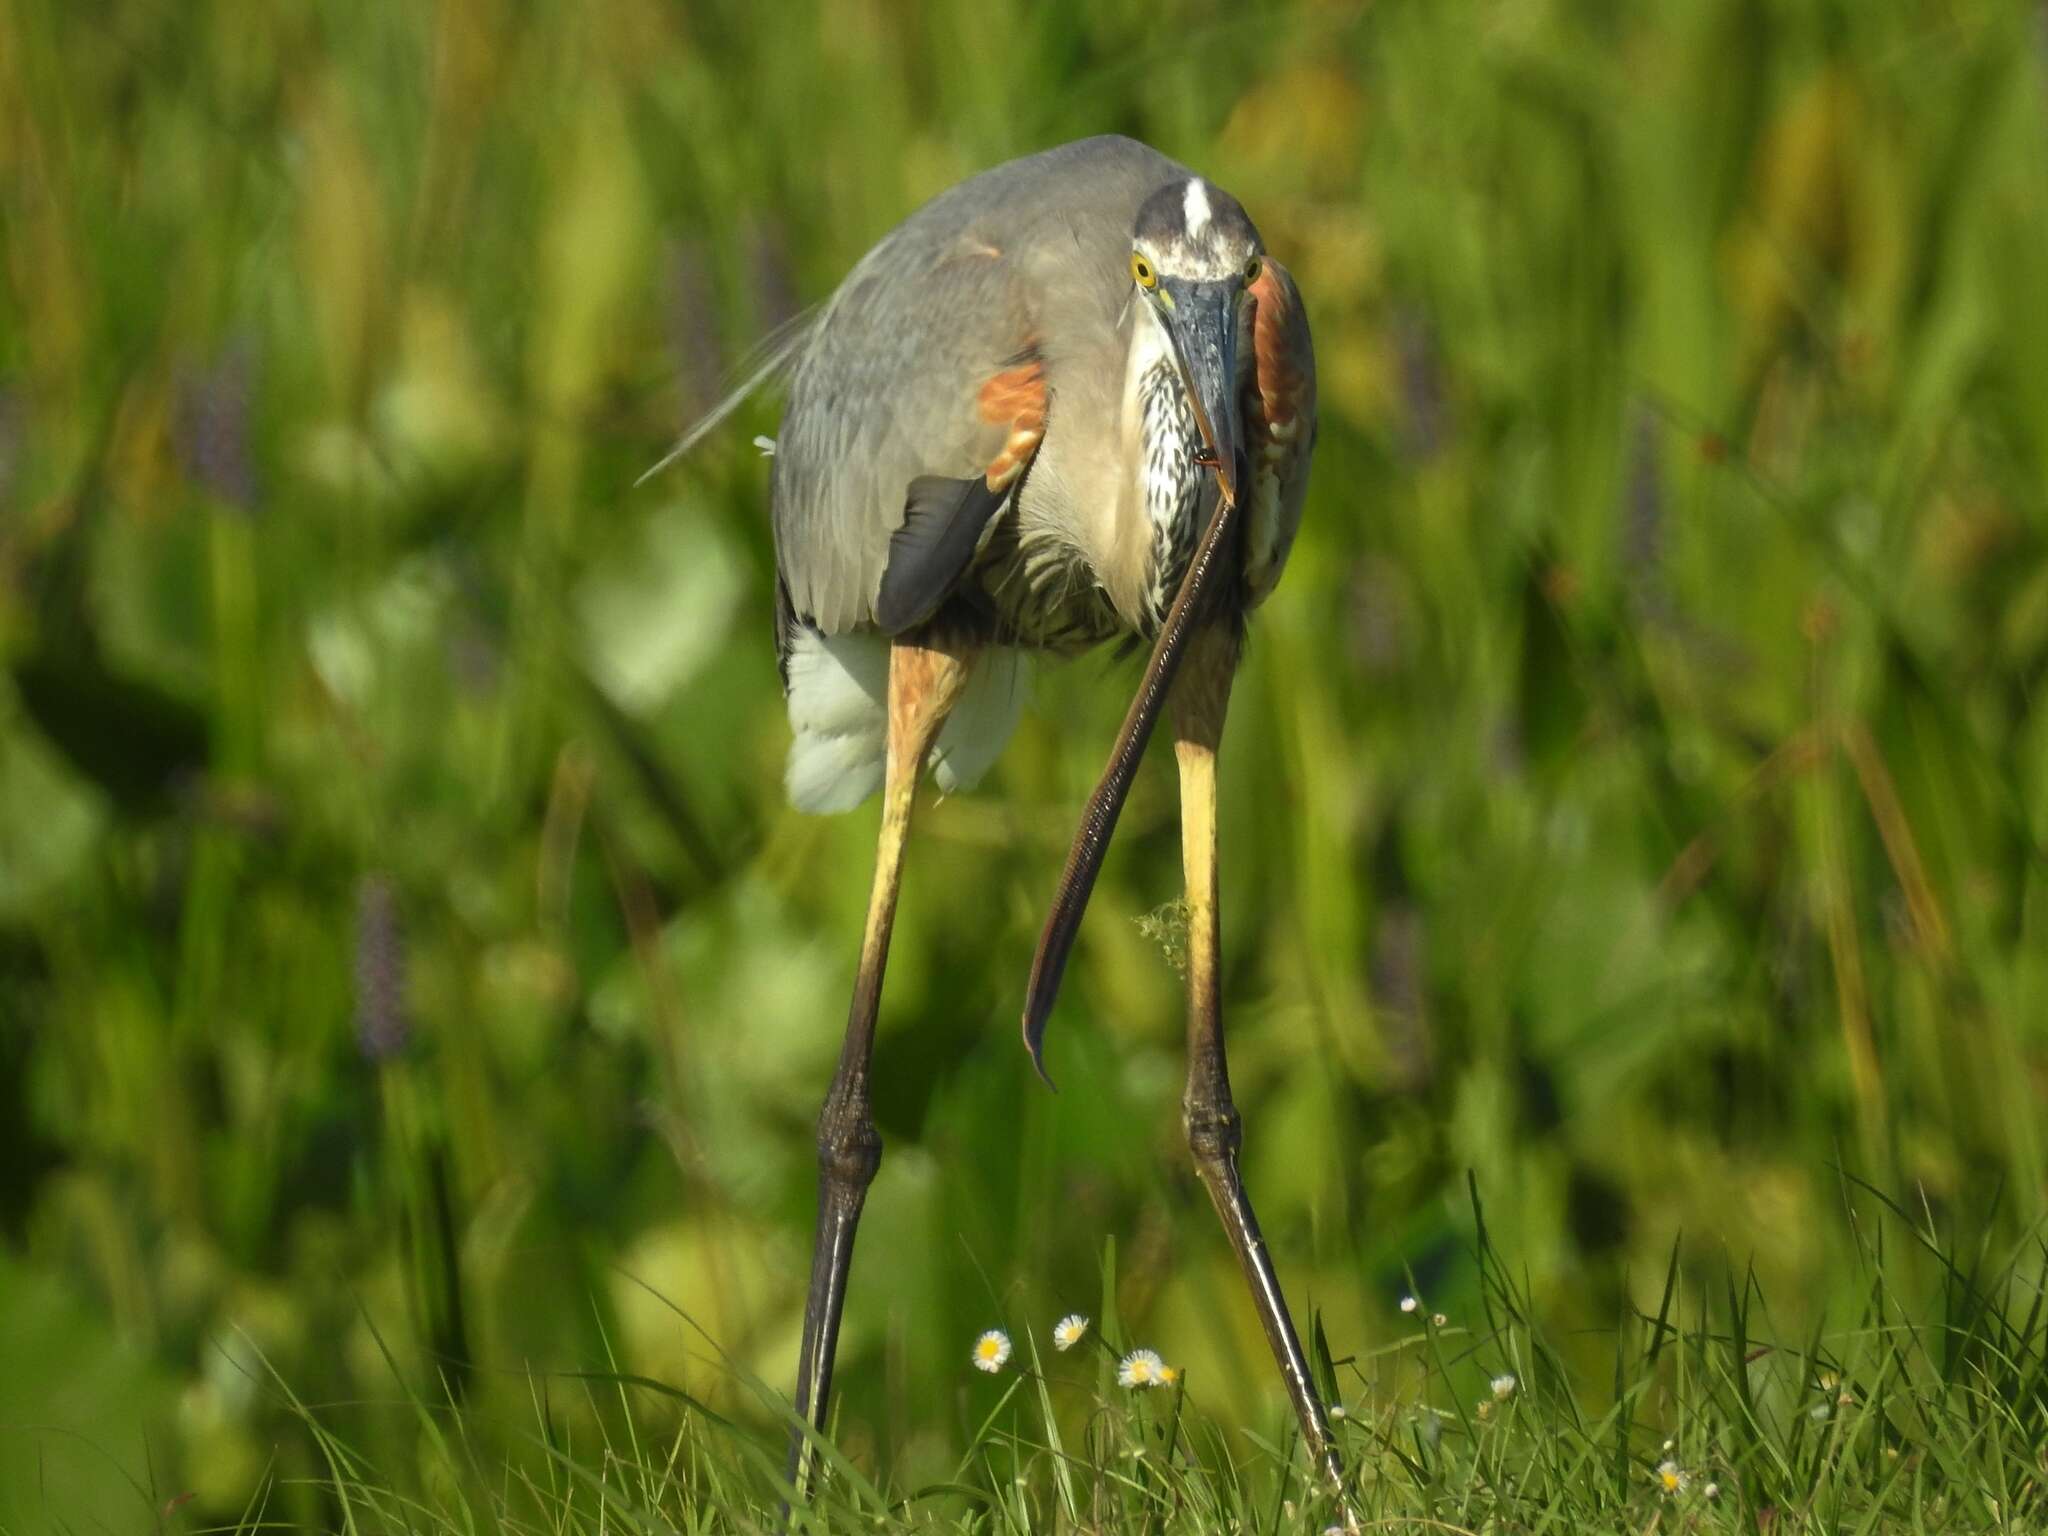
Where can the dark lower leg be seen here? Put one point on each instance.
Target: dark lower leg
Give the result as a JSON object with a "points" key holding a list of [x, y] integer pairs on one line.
{"points": [[1214, 1130], [923, 685]]}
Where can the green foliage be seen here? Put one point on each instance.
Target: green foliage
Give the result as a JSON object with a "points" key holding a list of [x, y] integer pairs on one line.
{"points": [[1637, 795], [1916, 1416]]}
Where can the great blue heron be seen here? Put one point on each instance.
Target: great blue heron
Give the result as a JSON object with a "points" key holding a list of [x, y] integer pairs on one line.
{"points": [[1071, 400]]}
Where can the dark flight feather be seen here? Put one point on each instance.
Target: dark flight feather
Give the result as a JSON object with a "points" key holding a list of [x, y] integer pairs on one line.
{"points": [[942, 523]]}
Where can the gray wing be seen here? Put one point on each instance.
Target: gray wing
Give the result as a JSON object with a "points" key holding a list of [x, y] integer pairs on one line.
{"points": [[940, 355]]}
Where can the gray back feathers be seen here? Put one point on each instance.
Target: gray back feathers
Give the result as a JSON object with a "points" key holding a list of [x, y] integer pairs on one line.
{"points": [[1032, 255]]}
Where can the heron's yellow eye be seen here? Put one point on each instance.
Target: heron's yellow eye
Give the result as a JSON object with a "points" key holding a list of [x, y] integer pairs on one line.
{"points": [[1141, 269], [1252, 270]]}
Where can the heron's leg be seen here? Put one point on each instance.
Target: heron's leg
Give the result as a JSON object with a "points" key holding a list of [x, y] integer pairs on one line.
{"points": [[1214, 1129], [925, 680]]}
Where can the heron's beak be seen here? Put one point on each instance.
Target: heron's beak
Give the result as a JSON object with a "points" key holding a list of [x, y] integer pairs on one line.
{"points": [[1202, 320], [1203, 323]]}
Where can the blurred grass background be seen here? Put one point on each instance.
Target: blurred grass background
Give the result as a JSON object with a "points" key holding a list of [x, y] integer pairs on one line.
{"points": [[1637, 795]]}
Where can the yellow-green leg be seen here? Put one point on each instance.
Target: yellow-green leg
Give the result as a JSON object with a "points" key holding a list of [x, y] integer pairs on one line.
{"points": [[1214, 1129], [925, 680]]}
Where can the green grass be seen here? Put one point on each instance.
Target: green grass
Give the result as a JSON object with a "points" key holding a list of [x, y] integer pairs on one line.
{"points": [[1636, 797], [1922, 1413]]}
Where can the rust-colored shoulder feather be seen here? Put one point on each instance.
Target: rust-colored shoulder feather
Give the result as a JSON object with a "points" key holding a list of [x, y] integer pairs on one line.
{"points": [[1015, 398], [1279, 422]]}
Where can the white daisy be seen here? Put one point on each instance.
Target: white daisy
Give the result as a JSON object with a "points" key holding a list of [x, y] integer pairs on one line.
{"points": [[1409, 1303], [1671, 1476], [992, 1351], [1066, 1333], [1504, 1386], [1141, 1368]]}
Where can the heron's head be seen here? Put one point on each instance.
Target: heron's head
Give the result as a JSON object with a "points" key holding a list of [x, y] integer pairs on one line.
{"points": [[1194, 254]]}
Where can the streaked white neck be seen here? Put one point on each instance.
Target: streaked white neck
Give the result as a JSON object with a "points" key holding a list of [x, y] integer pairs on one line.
{"points": [[1162, 485]]}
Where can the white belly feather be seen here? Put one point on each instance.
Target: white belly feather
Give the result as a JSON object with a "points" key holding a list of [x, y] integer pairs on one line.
{"points": [[838, 710]]}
